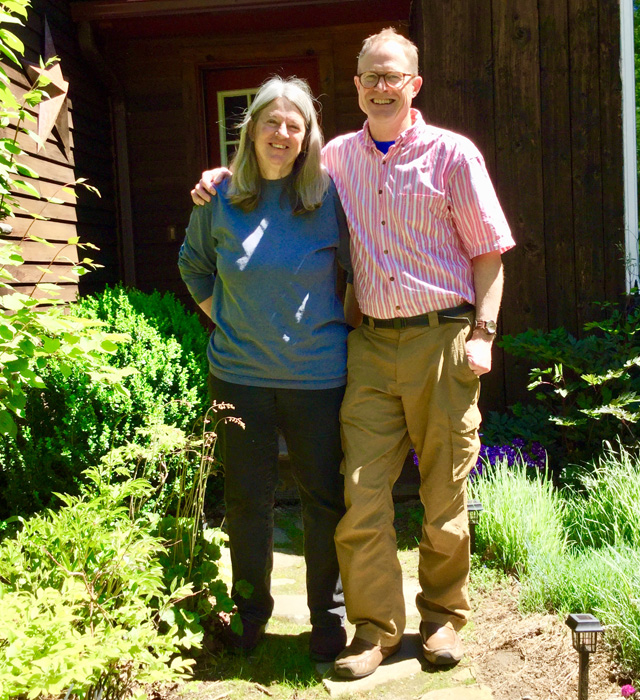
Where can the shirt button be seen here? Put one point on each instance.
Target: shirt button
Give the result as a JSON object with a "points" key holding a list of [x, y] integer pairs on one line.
{"points": [[379, 191], [386, 252], [397, 307], [392, 279], [383, 223]]}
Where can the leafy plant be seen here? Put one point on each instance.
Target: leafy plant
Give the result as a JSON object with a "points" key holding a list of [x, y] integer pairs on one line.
{"points": [[33, 331], [589, 388], [81, 594], [71, 423], [176, 511]]}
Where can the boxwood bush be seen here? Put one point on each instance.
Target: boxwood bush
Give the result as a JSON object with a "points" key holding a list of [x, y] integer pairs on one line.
{"points": [[71, 423]]}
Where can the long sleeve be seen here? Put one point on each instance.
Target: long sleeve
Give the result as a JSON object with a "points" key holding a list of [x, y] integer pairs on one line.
{"points": [[197, 259]]}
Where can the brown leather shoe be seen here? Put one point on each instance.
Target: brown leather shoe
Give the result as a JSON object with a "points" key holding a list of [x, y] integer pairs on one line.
{"points": [[362, 658], [440, 644]]}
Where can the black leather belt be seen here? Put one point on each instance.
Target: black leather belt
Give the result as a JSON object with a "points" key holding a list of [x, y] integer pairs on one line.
{"points": [[433, 318]]}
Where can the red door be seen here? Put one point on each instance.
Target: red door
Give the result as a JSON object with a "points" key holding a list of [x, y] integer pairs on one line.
{"points": [[229, 91]]}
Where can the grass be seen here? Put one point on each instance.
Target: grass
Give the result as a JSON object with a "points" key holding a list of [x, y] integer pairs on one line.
{"points": [[603, 509], [522, 518], [596, 568]]}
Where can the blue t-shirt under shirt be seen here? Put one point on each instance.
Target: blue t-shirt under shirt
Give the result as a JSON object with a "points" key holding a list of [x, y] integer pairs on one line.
{"points": [[383, 146]]}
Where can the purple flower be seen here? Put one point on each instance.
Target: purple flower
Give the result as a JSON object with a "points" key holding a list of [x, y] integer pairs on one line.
{"points": [[627, 691]]}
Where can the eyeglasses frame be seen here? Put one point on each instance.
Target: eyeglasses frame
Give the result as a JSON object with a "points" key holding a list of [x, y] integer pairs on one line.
{"points": [[400, 85]]}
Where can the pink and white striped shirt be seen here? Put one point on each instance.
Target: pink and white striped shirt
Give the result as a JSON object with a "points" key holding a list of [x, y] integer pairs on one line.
{"points": [[417, 217]]}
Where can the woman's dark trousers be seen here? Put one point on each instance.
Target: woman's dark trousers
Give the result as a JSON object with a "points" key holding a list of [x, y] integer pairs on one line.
{"points": [[308, 418]]}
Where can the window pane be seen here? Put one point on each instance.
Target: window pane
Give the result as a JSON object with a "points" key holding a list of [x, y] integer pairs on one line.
{"points": [[234, 108]]}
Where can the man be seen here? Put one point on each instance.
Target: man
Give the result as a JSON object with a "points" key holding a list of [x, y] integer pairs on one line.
{"points": [[427, 233]]}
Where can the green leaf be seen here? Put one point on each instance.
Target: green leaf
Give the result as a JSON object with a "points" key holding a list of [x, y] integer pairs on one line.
{"points": [[18, 8], [50, 345], [12, 40], [27, 187], [7, 425], [10, 55], [26, 171]]}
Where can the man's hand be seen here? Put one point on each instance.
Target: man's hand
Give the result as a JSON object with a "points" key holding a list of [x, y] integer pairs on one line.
{"points": [[479, 353], [201, 193]]}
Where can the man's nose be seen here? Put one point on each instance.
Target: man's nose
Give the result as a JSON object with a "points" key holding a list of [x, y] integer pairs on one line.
{"points": [[381, 84]]}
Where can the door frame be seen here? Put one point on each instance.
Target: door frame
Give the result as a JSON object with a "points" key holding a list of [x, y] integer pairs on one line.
{"points": [[249, 49]]}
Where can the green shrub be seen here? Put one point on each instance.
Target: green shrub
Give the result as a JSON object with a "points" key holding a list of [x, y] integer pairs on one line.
{"points": [[522, 517], [73, 421], [587, 389], [81, 597]]}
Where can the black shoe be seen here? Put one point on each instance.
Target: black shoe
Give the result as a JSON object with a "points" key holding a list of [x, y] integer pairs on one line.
{"points": [[327, 642], [252, 633]]}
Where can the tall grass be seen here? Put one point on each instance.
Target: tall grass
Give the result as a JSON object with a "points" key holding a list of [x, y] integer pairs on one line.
{"points": [[605, 582], [522, 516], [574, 551], [604, 509]]}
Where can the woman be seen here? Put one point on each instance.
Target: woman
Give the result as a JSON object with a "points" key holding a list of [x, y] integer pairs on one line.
{"points": [[260, 261]]}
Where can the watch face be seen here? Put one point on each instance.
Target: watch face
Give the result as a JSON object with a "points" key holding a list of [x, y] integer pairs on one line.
{"points": [[489, 327]]}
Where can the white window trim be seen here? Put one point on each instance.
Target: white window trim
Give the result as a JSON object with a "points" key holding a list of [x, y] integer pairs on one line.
{"points": [[222, 126], [627, 68]]}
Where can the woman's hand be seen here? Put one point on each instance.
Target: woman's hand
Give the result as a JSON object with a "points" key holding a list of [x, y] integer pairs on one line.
{"points": [[202, 192]]}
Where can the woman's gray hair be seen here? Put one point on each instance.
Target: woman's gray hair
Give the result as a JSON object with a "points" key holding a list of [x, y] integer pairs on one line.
{"points": [[310, 182]]}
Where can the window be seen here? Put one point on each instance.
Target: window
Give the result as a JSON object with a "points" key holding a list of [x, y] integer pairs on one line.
{"points": [[231, 107]]}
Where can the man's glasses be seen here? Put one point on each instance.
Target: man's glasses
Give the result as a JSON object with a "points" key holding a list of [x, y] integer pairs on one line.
{"points": [[370, 79]]}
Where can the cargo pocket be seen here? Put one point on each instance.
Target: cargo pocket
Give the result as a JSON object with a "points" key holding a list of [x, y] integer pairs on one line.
{"points": [[465, 441]]}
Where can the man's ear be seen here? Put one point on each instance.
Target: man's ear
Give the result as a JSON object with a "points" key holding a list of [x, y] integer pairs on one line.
{"points": [[417, 84]]}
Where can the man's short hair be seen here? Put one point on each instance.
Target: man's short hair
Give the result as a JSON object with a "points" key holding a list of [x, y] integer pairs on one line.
{"points": [[390, 34]]}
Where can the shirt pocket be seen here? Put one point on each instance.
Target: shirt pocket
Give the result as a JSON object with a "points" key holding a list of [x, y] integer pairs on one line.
{"points": [[418, 208]]}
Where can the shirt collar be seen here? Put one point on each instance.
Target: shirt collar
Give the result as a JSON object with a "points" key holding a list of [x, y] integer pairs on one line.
{"points": [[418, 126]]}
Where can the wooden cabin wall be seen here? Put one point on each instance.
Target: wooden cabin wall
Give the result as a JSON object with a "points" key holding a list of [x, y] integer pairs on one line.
{"points": [[536, 85], [89, 217], [166, 129]]}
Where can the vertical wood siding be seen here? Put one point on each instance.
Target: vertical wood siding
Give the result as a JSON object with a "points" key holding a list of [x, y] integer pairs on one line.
{"points": [[536, 84]]}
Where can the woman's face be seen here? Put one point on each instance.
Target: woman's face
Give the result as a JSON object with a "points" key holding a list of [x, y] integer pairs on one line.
{"points": [[278, 135]]}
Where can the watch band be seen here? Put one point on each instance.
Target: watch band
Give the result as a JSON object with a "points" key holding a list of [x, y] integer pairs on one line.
{"points": [[490, 327]]}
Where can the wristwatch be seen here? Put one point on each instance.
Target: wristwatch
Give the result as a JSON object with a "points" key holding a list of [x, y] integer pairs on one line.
{"points": [[489, 327]]}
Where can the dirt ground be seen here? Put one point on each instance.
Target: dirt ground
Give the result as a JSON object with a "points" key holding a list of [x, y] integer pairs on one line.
{"points": [[532, 656]]}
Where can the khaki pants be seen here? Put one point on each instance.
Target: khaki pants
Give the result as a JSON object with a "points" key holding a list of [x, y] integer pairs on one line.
{"points": [[407, 387]]}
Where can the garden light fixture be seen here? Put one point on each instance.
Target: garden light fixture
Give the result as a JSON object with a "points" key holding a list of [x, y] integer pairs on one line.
{"points": [[585, 629], [474, 510]]}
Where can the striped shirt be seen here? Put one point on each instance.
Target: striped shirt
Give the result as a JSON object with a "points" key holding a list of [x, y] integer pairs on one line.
{"points": [[417, 217]]}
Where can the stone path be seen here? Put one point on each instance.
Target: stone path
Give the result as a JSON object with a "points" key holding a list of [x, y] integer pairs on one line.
{"points": [[457, 683]]}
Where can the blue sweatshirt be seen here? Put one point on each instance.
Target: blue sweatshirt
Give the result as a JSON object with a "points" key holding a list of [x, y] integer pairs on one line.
{"points": [[272, 278]]}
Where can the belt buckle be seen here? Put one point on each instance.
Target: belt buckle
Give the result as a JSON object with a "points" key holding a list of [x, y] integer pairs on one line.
{"points": [[399, 323]]}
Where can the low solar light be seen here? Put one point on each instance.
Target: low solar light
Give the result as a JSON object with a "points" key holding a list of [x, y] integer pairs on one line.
{"points": [[585, 629], [474, 510]]}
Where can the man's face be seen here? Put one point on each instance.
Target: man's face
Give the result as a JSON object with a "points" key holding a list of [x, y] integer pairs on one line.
{"points": [[388, 108]]}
